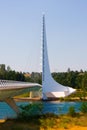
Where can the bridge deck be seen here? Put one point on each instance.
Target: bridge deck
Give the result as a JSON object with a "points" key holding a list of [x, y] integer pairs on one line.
{"points": [[8, 84]]}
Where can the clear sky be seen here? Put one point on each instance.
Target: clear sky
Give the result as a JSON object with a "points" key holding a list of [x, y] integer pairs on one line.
{"points": [[20, 34]]}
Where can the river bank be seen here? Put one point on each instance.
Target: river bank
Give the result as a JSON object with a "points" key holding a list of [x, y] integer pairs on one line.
{"points": [[49, 122], [73, 128]]}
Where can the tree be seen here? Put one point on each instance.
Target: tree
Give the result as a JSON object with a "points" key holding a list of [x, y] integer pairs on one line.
{"points": [[8, 68], [68, 70], [2, 71], [2, 67], [84, 84]]}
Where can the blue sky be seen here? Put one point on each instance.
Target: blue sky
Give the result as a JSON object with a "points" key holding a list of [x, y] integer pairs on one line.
{"points": [[20, 34]]}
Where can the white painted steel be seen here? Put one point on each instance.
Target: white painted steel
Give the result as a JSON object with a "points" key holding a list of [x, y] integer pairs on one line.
{"points": [[10, 88], [49, 85]]}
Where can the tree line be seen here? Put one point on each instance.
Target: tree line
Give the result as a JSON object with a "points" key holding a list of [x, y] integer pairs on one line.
{"points": [[9, 74], [75, 79]]}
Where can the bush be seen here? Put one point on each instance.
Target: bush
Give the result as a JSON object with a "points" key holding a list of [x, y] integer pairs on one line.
{"points": [[83, 107], [48, 123], [71, 111], [30, 110]]}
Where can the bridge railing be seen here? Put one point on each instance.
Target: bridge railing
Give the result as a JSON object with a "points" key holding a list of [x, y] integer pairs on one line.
{"points": [[11, 83]]}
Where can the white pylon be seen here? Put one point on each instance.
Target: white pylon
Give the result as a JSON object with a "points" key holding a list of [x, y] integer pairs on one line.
{"points": [[50, 88]]}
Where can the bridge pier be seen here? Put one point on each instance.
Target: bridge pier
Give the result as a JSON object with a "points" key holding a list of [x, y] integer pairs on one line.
{"points": [[12, 104], [30, 94]]}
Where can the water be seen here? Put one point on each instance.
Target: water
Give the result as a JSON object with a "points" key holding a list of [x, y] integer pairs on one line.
{"points": [[60, 107], [53, 107]]}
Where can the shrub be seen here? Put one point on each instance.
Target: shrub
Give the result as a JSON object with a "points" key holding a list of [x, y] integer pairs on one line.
{"points": [[83, 107], [48, 123], [60, 110], [31, 110], [71, 111]]}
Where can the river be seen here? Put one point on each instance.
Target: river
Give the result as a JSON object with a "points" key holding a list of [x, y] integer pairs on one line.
{"points": [[51, 106]]}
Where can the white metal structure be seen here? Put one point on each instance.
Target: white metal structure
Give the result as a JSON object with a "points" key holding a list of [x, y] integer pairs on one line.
{"points": [[9, 89], [50, 88]]}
